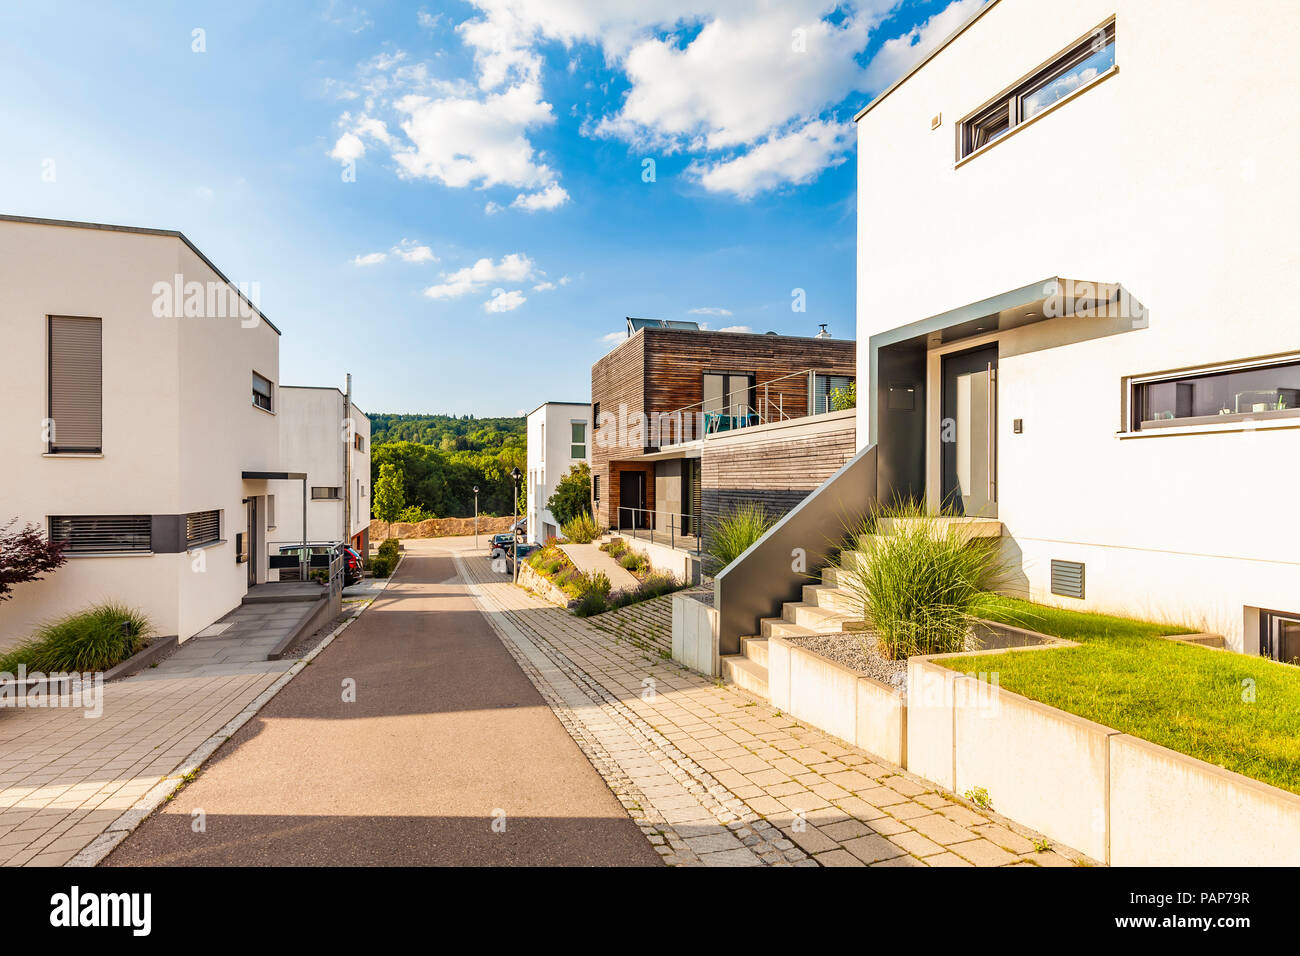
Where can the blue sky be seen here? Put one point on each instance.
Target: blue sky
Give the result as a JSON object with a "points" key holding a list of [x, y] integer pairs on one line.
{"points": [[449, 200]]}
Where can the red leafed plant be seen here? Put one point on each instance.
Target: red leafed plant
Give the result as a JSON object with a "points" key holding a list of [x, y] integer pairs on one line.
{"points": [[25, 555]]}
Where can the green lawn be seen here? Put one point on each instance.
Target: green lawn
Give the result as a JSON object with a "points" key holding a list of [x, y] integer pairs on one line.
{"points": [[1180, 696]]}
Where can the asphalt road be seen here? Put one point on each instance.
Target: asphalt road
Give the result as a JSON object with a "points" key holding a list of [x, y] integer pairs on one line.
{"points": [[445, 736]]}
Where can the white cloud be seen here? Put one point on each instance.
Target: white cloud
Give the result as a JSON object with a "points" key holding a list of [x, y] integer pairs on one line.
{"points": [[544, 287], [515, 267], [348, 147], [408, 250], [552, 197], [898, 55], [735, 328], [710, 310], [370, 259], [492, 208], [503, 301], [613, 338], [796, 157]]}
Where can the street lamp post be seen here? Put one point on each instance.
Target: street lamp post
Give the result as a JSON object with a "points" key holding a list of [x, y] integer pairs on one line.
{"points": [[516, 476], [476, 517]]}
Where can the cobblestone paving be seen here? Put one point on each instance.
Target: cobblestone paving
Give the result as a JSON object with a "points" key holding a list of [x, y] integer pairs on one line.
{"points": [[715, 777]]}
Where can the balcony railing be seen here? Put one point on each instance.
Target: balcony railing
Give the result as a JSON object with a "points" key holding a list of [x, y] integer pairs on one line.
{"points": [[694, 421], [682, 532]]}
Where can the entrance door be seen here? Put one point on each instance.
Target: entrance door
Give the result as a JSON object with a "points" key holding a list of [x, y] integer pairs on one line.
{"points": [[631, 500], [968, 433], [252, 542]]}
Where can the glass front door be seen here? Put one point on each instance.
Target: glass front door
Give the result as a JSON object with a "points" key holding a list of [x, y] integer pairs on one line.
{"points": [[968, 433]]}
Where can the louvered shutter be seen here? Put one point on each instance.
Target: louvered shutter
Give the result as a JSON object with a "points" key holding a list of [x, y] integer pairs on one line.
{"points": [[76, 384]]}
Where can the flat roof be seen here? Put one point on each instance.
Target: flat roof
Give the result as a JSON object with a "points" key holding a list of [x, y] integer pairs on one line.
{"points": [[143, 231], [326, 388], [926, 59], [544, 404]]}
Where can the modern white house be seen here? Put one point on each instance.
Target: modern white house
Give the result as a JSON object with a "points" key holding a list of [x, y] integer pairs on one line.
{"points": [[559, 437], [323, 433], [1075, 217], [143, 424]]}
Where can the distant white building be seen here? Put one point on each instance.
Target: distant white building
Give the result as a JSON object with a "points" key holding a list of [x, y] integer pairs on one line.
{"points": [[559, 437], [324, 435]]}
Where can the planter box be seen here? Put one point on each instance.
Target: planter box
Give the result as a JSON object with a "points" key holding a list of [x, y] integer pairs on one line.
{"points": [[695, 635], [860, 710], [1168, 809]]}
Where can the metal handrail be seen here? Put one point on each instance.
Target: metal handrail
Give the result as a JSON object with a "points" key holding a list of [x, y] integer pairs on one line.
{"points": [[674, 531], [766, 404]]}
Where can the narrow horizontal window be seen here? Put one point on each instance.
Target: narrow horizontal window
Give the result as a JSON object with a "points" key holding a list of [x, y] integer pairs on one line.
{"points": [[320, 493], [100, 534], [1056, 80], [202, 527], [261, 392], [1237, 394]]}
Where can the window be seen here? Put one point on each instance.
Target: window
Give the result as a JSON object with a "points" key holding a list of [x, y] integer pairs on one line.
{"points": [[359, 442], [261, 392], [595, 415], [1090, 59], [270, 512], [1280, 636], [319, 493], [102, 534], [823, 386], [543, 442], [728, 393], [1225, 395], [578, 440], [595, 487], [75, 399], [204, 527]]}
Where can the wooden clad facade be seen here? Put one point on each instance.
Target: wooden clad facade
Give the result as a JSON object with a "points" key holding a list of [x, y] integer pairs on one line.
{"points": [[660, 371]]}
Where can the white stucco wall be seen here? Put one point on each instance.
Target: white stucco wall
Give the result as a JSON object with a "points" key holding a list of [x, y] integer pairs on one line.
{"points": [[179, 426], [546, 469], [313, 438], [1174, 177]]}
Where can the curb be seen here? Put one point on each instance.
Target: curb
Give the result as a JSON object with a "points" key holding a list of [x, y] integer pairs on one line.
{"points": [[94, 852]]}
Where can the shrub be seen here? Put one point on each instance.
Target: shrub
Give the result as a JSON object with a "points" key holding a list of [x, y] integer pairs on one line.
{"points": [[26, 555], [581, 530], [90, 640], [731, 535], [634, 561], [921, 585], [615, 548], [622, 598], [390, 549], [843, 399], [598, 582], [381, 565], [658, 584], [572, 496], [414, 514], [592, 602]]}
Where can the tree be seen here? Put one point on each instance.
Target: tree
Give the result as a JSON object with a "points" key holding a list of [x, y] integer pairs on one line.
{"points": [[389, 495], [25, 555], [572, 495]]}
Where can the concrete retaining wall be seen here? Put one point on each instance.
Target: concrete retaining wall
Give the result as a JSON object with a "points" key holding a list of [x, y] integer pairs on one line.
{"points": [[695, 635]]}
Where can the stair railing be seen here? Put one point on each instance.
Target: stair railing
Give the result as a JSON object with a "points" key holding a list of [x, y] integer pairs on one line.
{"points": [[776, 567]]}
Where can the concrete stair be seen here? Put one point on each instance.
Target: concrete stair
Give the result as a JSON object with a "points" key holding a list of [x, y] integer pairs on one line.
{"points": [[748, 669], [828, 607]]}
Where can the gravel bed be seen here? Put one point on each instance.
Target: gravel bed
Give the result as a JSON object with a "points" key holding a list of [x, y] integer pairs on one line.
{"points": [[857, 652]]}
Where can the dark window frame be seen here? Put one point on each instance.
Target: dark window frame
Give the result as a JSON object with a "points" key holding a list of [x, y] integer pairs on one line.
{"points": [[110, 526], [268, 396], [1139, 403], [1004, 114], [336, 493], [53, 446], [203, 527]]}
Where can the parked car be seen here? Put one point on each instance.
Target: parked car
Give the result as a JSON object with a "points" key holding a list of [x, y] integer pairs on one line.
{"points": [[500, 542], [352, 561]]}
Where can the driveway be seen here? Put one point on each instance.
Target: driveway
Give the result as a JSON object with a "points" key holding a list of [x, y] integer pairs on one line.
{"points": [[447, 755]]}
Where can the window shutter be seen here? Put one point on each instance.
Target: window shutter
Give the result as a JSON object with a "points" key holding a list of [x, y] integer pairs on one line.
{"points": [[202, 527], [91, 534], [76, 384]]}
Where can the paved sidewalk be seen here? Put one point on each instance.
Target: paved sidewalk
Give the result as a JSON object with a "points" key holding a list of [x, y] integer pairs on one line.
{"points": [[589, 558], [65, 778], [713, 776]]}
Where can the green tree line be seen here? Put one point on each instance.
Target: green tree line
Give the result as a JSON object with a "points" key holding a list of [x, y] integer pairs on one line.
{"points": [[438, 475]]}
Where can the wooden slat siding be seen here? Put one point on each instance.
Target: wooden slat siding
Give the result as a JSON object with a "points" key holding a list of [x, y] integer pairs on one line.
{"points": [[658, 371], [617, 379], [616, 468], [675, 363], [776, 473]]}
